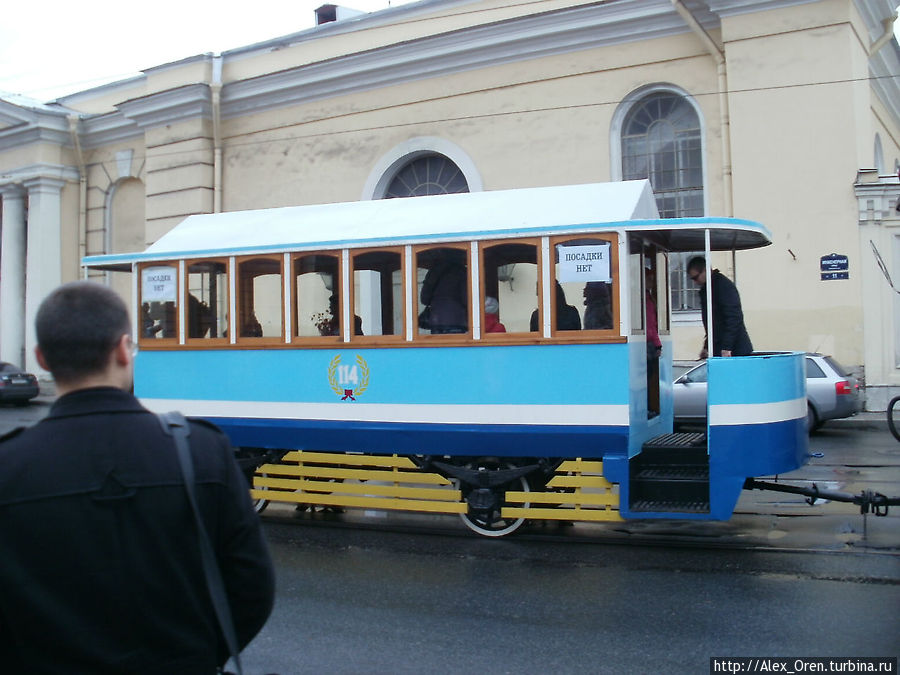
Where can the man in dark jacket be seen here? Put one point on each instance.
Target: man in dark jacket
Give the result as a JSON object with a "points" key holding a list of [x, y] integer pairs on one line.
{"points": [[730, 337], [100, 568], [445, 292]]}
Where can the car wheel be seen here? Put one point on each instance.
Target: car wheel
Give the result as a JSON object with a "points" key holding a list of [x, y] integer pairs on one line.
{"points": [[812, 420]]}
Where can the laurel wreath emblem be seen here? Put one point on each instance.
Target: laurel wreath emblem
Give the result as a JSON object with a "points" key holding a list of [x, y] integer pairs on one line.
{"points": [[364, 372], [363, 381], [332, 378]]}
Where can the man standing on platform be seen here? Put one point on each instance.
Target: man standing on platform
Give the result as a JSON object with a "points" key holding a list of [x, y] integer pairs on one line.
{"points": [[730, 337]]}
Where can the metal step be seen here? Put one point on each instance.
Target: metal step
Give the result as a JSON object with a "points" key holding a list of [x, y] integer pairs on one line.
{"points": [[678, 472], [677, 440], [679, 448], [669, 506], [671, 474]]}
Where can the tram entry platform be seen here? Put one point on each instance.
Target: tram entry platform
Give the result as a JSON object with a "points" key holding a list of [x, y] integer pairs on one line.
{"points": [[671, 475], [755, 429]]}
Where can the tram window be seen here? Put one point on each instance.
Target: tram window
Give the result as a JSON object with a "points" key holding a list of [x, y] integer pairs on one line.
{"points": [[378, 293], [159, 300], [207, 299], [442, 276], [260, 300], [317, 295], [510, 274], [584, 293]]}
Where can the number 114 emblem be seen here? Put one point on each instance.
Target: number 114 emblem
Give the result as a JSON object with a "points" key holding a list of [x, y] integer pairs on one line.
{"points": [[348, 380]]}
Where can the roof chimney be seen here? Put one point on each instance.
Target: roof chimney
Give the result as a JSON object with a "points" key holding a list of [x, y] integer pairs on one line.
{"points": [[329, 13]]}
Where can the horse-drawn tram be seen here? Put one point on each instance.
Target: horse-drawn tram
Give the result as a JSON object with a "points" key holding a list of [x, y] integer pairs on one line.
{"points": [[479, 354]]}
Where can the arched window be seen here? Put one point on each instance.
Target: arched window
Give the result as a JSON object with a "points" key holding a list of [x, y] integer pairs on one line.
{"points": [[661, 140], [430, 174]]}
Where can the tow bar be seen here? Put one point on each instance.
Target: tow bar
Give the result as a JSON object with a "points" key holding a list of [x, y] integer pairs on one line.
{"points": [[868, 501]]}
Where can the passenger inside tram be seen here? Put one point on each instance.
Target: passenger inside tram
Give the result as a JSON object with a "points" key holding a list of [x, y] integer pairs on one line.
{"points": [[316, 281], [567, 317], [207, 290], [445, 291], [492, 316], [510, 274], [199, 317], [597, 306]]}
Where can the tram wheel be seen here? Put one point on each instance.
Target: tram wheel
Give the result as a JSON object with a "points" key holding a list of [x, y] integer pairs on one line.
{"points": [[812, 420], [259, 505], [493, 524]]}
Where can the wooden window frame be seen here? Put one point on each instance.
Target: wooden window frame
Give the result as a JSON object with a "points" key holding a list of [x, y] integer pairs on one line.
{"points": [[585, 334], [249, 340], [528, 336], [375, 340], [205, 342], [156, 343], [315, 340], [636, 295], [461, 338]]}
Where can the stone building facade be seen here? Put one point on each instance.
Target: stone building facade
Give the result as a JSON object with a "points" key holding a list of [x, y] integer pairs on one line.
{"points": [[786, 112]]}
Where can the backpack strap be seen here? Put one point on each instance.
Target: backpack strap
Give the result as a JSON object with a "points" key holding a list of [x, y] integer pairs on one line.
{"points": [[175, 425]]}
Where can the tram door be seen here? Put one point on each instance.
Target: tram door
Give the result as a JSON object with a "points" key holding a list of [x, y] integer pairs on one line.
{"points": [[649, 309], [656, 312]]}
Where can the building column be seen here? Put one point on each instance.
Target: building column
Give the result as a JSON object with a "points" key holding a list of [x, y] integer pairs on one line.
{"points": [[42, 266], [879, 229], [12, 275]]}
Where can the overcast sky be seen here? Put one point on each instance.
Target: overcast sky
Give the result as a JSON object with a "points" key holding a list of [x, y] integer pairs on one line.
{"points": [[50, 48]]}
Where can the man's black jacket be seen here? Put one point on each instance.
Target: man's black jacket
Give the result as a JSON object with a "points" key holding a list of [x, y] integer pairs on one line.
{"points": [[100, 568], [729, 331]]}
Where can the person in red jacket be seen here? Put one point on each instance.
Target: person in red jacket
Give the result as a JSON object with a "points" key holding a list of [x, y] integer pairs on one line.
{"points": [[492, 316]]}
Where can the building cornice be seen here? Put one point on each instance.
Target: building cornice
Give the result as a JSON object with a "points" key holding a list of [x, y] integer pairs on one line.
{"points": [[874, 12], [16, 110], [40, 128], [39, 172], [521, 38], [169, 106], [385, 17], [728, 8], [108, 129], [885, 63], [12, 115], [883, 68], [528, 37]]}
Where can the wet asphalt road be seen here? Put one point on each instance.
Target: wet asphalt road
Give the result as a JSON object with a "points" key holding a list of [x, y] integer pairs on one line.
{"points": [[388, 593], [376, 593], [359, 601]]}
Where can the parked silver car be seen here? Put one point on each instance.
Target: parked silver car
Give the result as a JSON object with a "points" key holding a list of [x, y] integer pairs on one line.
{"points": [[831, 393]]}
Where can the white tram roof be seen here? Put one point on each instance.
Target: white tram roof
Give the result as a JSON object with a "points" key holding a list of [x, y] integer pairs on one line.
{"points": [[525, 212]]}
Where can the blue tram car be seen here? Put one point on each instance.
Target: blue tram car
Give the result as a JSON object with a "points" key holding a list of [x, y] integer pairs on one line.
{"points": [[483, 354]]}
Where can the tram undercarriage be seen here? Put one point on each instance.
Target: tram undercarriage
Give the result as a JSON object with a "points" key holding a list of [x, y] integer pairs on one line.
{"points": [[495, 496]]}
